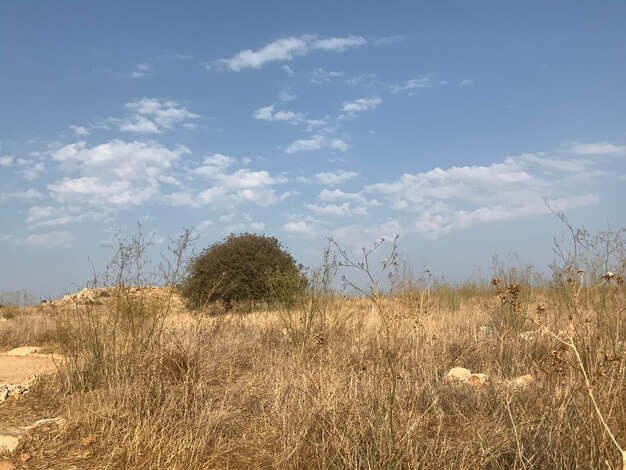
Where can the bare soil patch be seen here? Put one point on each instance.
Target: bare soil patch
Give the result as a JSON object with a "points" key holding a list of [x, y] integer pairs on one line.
{"points": [[21, 369]]}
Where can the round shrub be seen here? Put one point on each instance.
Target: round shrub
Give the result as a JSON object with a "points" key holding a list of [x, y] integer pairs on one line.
{"points": [[245, 267]]}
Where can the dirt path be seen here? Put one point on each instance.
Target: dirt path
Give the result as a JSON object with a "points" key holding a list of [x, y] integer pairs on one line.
{"points": [[20, 365], [17, 368], [20, 369]]}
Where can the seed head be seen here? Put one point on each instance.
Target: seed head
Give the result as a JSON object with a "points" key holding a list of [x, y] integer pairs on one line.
{"points": [[608, 276]]}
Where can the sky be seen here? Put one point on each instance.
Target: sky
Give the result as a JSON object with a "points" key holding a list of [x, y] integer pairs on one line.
{"points": [[447, 123]]}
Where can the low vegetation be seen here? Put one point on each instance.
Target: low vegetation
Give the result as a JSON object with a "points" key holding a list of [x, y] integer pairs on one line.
{"points": [[330, 379]]}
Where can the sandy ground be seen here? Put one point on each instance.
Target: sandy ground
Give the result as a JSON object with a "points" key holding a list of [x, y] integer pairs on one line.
{"points": [[18, 370]]}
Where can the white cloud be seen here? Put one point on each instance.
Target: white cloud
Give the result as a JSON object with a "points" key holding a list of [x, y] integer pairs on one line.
{"points": [[27, 195], [306, 227], [230, 188], [319, 76], [264, 114], [313, 124], [242, 186], [140, 125], [362, 104], [338, 195], [117, 172], [47, 216], [30, 168], [285, 95], [6, 160], [119, 159], [572, 165], [288, 48], [317, 142], [355, 237], [335, 178], [247, 224], [339, 202], [366, 80], [466, 83], [288, 70], [214, 165], [227, 217], [479, 182], [142, 70], [257, 226], [50, 239], [497, 213], [338, 44], [95, 191], [296, 227], [455, 198], [181, 198], [412, 84], [351, 108], [153, 116], [37, 213], [79, 131], [267, 113], [345, 209], [204, 225], [384, 41], [6, 238], [602, 148]]}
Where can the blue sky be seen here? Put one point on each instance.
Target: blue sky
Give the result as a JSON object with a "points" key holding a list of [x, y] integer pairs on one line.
{"points": [[448, 123]]}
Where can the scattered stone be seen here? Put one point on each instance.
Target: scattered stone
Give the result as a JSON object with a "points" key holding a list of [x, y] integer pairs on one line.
{"points": [[103, 295], [9, 440], [478, 380], [46, 422], [10, 390], [23, 351], [465, 376], [7, 466], [25, 457], [523, 381], [458, 373]]}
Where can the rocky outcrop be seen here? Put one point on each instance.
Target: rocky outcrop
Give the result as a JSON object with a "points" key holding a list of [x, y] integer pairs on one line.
{"points": [[23, 351], [10, 438], [10, 390], [463, 376], [523, 381]]}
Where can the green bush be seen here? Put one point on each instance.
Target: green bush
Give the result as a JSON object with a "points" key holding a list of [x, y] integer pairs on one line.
{"points": [[242, 268]]}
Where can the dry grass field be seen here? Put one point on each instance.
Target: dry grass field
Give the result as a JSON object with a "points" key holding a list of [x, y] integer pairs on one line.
{"points": [[331, 381]]}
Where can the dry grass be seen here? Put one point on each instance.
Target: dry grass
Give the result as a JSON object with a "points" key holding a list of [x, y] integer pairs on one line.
{"points": [[21, 326], [240, 391]]}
